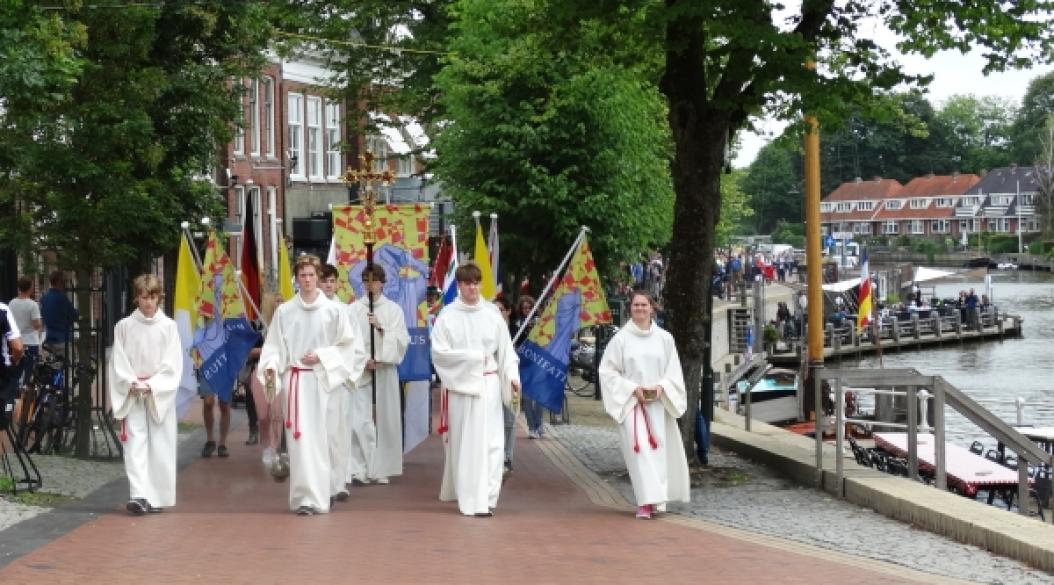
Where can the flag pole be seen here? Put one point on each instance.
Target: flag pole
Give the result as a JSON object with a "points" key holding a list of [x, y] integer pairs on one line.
{"points": [[185, 227], [246, 297], [548, 285]]}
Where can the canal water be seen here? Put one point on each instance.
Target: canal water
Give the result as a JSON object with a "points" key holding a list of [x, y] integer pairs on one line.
{"points": [[994, 373]]}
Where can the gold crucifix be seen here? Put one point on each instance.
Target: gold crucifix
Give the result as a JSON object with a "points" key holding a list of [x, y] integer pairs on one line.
{"points": [[366, 178]]}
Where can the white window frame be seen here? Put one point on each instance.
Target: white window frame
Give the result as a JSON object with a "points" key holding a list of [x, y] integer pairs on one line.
{"points": [[295, 117], [916, 227], [379, 147], [939, 226], [865, 205], [333, 159], [257, 219], [313, 123], [1000, 225], [826, 207], [844, 207], [893, 204], [239, 204], [919, 203], [272, 206], [891, 227], [254, 118], [1026, 199], [945, 202], [239, 127], [405, 165], [268, 116]]}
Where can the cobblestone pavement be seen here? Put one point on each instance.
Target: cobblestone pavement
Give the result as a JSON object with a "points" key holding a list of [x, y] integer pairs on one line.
{"points": [[738, 493]]}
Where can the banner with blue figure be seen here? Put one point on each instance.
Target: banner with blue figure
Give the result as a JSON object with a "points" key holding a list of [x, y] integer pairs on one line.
{"points": [[223, 347]]}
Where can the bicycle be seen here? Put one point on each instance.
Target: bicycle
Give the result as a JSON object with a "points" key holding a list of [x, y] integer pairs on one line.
{"points": [[47, 410]]}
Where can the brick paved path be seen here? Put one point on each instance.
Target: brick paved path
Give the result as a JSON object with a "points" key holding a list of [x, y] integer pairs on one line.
{"points": [[556, 523]]}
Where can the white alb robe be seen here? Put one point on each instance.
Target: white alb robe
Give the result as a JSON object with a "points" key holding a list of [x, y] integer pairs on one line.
{"points": [[475, 360], [377, 449], [637, 357], [339, 439], [298, 328], [148, 350]]}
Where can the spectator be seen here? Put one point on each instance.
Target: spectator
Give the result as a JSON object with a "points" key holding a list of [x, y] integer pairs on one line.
{"points": [[26, 313], [59, 315]]}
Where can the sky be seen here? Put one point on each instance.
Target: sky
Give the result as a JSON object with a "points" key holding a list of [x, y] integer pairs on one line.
{"points": [[954, 74]]}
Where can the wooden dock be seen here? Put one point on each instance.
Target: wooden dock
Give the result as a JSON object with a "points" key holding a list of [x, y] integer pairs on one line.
{"points": [[899, 334]]}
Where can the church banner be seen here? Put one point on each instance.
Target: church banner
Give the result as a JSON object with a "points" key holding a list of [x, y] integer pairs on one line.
{"points": [[577, 302], [400, 234]]}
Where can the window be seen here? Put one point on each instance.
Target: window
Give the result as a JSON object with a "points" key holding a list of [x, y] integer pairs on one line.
{"points": [[254, 117], [919, 204], [893, 204], [826, 207], [945, 202], [939, 226], [268, 116], [967, 226], [314, 137], [333, 166], [1026, 199], [969, 201], [272, 205], [1002, 199], [917, 226], [406, 165], [891, 227], [254, 196], [844, 207], [1000, 224], [239, 204], [862, 228], [296, 135], [379, 147], [865, 205], [239, 132]]}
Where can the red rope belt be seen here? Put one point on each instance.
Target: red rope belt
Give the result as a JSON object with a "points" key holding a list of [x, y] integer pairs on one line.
{"points": [[647, 425], [124, 421], [293, 401]]}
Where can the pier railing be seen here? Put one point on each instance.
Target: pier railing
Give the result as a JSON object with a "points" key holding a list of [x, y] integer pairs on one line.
{"points": [[911, 383]]}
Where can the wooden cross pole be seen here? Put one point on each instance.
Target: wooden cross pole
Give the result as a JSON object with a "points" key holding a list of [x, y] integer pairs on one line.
{"points": [[366, 177]]}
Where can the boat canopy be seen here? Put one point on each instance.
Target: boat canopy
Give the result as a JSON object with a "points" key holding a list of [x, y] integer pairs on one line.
{"points": [[842, 286], [922, 274]]}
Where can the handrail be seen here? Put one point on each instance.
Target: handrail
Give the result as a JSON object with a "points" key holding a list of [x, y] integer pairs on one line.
{"points": [[943, 394]]}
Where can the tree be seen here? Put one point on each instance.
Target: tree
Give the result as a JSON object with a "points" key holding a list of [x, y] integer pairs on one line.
{"points": [[1045, 178], [550, 138], [977, 130], [1029, 127], [773, 184], [728, 60], [735, 208], [124, 155]]}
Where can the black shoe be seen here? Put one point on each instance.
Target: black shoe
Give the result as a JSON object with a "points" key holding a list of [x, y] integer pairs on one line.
{"points": [[210, 448], [305, 511], [254, 437], [152, 509], [135, 507], [342, 496], [223, 452]]}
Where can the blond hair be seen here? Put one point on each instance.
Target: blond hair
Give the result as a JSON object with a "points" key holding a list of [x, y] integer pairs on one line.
{"points": [[305, 260], [147, 284]]}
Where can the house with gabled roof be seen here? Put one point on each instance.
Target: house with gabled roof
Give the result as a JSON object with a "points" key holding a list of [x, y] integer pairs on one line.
{"points": [[1002, 201], [849, 210], [925, 206]]}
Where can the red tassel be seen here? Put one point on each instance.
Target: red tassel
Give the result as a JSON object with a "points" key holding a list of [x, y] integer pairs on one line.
{"points": [[124, 431], [636, 442], [443, 423], [647, 425]]}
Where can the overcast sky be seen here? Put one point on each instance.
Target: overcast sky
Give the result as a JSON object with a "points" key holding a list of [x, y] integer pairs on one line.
{"points": [[953, 72]]}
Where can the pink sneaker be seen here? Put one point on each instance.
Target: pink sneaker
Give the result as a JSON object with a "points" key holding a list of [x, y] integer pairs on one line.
{"points": [[644, 512]]}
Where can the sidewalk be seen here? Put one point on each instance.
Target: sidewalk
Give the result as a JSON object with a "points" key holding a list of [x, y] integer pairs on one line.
{"points": [[557, 522]]}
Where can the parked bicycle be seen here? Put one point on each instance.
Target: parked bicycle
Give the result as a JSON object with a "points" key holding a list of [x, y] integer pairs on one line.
{"points": [[582, 367], [45, 417]]}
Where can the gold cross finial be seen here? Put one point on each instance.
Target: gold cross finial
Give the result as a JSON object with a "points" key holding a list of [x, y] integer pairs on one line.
{"points": [[366, 177]]}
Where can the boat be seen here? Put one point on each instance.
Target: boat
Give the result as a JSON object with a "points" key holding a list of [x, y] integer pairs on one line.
{"points": [[774, 397], [979, 262], [1006, 266]]}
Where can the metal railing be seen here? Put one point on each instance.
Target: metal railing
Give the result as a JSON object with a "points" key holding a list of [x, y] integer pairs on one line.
{"points": [[942, 394]]}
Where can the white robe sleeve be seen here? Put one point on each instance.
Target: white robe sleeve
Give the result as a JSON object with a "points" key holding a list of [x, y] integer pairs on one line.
{"points": [[122, 375], [343, 360], [390, 346], [461, 370], [273, 354], [616, 388], [674, 395], [508, 363]]}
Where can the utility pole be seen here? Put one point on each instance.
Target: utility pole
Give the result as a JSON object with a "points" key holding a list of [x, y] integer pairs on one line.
{"points": [[815, 273]]}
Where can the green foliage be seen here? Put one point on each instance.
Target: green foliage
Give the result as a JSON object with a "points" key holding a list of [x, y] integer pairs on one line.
{"points": [[978, 131], [548, 137], [903, 241], [789, 233], [1001, 243], [770, 334], [734, 208], [1029, 127], [120, 160], [773, 184]]}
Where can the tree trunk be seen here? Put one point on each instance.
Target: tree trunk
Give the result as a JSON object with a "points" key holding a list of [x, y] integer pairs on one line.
{"points": [[700, 134]]}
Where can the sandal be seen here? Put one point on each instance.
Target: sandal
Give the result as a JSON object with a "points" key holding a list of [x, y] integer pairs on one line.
{"points": [[223, 452], [210, 448]]}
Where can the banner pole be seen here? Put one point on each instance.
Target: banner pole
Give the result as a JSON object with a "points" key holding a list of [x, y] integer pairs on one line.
{"points": [[548, 285]]}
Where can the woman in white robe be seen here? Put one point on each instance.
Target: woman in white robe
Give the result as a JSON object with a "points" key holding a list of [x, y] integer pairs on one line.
{"points": [[145, 367], [377, 449], [643, 390], [473, 355], [312, 348]]}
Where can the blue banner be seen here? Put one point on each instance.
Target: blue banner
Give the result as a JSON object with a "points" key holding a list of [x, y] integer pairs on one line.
{"points": [[542, 375], [224, 347], [417, 364]]}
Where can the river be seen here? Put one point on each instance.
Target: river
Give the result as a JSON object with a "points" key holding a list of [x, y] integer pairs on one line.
{"points": [[994, 373]]}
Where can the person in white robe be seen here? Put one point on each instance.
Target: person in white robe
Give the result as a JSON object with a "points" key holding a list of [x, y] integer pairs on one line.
{"points": [[643, 390], [336, 422], [145, 367], [473, 355], [311, 351], [377, 445]]}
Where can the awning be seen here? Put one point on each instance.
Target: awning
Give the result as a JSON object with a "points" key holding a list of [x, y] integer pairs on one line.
{"points": [[842, 286], [923, 274]]}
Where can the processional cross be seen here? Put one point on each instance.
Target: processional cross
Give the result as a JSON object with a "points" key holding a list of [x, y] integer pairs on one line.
{"points": [[365, 177]]}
